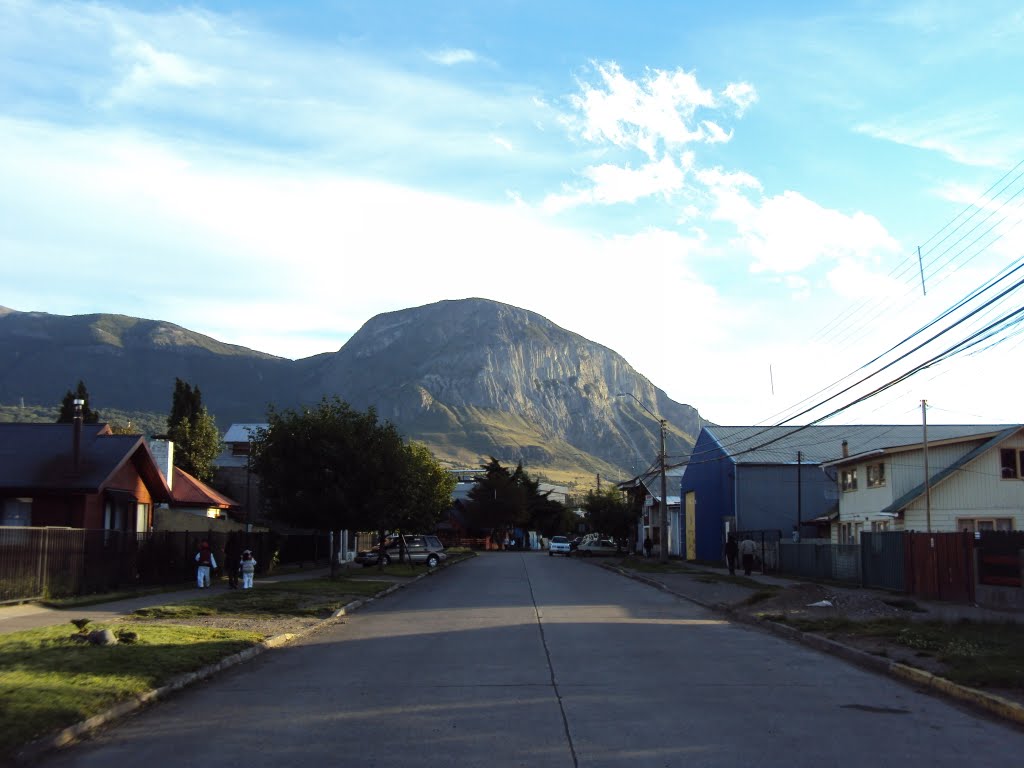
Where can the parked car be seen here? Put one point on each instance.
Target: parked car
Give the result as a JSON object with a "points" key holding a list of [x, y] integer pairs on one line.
{"points": [[559, 545], [591, 547], [418, 549]]}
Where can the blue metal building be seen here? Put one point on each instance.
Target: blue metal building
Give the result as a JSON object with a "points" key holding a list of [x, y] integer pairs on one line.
{"points": [[757, 478]]}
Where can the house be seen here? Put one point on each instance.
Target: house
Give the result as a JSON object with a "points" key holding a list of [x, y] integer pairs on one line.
{"points": [[644, 492], [233, 471], [190, 497], [964, 478], [776, 478], [78, 476]]}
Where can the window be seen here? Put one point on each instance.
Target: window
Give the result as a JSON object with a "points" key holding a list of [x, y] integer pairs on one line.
{"points": [[876, 475], [849, 479], [878, 526], [1008, 464], [849, 533], [978, 524]]}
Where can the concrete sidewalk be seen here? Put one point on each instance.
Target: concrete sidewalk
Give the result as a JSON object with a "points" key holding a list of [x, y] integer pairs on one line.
{"points": [[14, 618]]}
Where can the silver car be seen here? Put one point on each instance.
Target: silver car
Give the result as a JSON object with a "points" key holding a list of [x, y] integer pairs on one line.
{"points": [[418, 549]]}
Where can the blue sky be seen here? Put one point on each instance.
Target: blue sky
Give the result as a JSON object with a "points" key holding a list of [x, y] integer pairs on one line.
{"points": [[731, 197]]}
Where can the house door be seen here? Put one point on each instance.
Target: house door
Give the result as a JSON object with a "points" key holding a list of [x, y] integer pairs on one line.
{"points": [[691, 525]]}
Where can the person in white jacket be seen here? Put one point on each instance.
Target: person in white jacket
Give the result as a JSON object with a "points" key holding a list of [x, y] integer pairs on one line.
{"points": [[248, 569]]}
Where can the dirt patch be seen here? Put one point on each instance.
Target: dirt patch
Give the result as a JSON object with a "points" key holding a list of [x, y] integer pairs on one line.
{"points": [[814, 601]]}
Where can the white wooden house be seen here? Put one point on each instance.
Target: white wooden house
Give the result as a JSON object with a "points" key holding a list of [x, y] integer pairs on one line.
{"points": [[974, 481]]}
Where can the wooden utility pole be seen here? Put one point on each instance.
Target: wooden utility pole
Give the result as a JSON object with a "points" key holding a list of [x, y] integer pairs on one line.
{"points": [[927, 486]]}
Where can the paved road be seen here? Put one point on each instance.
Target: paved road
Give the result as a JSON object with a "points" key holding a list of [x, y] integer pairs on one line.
{"points": [[518, 659]]}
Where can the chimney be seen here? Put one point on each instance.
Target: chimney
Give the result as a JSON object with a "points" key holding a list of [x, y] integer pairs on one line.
{"points": [[163, 452], [77, 433], [846, 449]]}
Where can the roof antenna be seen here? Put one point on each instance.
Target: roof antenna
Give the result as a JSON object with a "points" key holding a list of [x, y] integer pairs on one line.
{"points": [[771, 378]]}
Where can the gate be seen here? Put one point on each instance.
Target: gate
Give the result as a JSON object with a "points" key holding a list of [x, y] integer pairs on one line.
{"points": [[940, 566]]}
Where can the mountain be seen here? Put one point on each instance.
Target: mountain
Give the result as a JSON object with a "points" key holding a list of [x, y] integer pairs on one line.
{"points": [[470, 378]]}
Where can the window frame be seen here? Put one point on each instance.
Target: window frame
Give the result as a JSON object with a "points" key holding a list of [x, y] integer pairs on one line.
{"points": [[848, 480], [1009, 470], [879, 481]]}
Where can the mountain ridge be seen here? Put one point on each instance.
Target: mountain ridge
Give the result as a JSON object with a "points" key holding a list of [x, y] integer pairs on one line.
{"points": [[471, 378]]}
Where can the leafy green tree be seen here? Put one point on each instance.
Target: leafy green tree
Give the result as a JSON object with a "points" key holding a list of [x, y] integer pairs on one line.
{"points": [[609, 513], [496, 501], [67, 406], [194, 432]]}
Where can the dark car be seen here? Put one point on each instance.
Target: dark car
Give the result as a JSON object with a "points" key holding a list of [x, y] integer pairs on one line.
{"points": [[418, 549]]}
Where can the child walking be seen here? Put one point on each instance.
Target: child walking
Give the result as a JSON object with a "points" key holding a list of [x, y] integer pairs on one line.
{"points": [[248, 569]]}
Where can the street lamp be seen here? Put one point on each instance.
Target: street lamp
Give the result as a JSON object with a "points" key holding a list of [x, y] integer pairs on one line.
{"points": [[663, 506]]}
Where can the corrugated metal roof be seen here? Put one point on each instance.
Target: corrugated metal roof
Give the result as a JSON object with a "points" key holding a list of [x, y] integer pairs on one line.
{"points": [[241, 433], [819, 444]]}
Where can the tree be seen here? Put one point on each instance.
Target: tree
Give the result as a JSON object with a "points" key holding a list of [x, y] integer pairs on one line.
{"points": [[67, 406], [496, 501], [194, 432], [333, 467], [609, 513]]}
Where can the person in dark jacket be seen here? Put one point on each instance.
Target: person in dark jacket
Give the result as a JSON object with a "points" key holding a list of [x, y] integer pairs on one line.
{"points": [[232, 559], [732, 551], [205, 562]]}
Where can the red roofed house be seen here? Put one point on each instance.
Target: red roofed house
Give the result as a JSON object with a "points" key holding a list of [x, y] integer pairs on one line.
{"points": [[77, 476]]}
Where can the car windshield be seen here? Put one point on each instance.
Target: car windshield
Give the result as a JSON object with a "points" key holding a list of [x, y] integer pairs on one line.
{"points": [[559, 540]]}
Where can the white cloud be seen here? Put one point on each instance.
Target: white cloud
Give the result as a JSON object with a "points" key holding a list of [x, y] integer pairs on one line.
{"points": [[451, 56], [503, 143], [788, 232], [149, 68], [612, 184], [973, 137], [645, 114], [715, 133], [743, 95]]}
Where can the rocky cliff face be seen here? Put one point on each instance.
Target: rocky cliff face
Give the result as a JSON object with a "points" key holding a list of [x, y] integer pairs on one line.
{"points": [[457, 359]]}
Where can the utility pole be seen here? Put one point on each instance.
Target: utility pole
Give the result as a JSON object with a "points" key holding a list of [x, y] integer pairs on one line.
{"points": [[927, 487], [663, 507], [662, 458], [799, 494]]}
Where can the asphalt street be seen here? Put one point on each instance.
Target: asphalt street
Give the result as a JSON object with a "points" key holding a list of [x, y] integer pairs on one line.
{"points": [[518, 659]]}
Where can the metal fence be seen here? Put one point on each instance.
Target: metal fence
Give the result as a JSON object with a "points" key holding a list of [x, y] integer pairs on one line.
{"points": [[62, 562], [821, 561]]}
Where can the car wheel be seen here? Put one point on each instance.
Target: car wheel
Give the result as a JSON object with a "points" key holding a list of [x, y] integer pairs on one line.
{"points": [[550, 553], [433, 561]]}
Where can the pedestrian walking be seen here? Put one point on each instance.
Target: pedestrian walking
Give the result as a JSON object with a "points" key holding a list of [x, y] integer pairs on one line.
{"points": [[206, 561], [747, 550], [248, 568], [732, 549], [648, 546], [232, 559]]}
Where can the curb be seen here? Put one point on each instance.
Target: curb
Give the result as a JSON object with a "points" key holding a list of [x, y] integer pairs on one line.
{"points": [[982, 700], [32, 751]]}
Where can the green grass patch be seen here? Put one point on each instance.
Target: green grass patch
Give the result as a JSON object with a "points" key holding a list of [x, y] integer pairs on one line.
{"points": [[975, 653], [307, 598], [50, 681]]}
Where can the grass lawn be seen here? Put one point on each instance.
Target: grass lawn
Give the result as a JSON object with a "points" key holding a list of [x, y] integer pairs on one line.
{"points": [[49, 681], [974, 653]]}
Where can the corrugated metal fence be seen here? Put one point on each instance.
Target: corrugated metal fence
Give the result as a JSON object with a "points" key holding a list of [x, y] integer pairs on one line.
{"points": [[62, 562]]}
